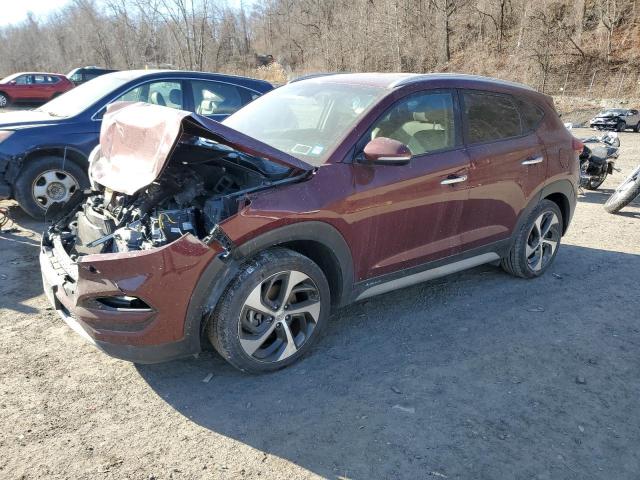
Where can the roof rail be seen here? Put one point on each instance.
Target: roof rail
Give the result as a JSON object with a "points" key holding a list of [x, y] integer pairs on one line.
{"points": [[431, 76]]}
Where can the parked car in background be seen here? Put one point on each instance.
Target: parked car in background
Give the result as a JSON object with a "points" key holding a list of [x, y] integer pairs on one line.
{"points": [[32, 87], [322, 192], [44, 152], [618, 119], [82, 75]]}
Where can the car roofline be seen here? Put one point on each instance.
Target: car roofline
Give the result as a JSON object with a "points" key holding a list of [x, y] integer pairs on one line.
{"points": [[407, 79], [421, 77]]}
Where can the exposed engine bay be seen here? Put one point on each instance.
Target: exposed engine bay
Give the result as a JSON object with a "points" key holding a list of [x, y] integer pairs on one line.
{"points": [[202, 184]]}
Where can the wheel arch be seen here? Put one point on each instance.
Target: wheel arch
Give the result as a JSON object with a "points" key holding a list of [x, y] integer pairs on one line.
{"points": [[319, 241], [62, 151], [563, 204], [563, 194]]}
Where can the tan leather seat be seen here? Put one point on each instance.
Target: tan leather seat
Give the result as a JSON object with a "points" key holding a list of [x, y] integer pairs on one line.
{"points": [[158, 99]]}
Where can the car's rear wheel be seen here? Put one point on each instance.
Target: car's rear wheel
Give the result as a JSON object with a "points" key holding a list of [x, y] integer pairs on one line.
{"points": [[4, 100], [271, 313], [44, 181], [536, 243]]}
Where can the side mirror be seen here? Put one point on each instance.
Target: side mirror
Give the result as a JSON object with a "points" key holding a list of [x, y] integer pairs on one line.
{"points": [[13, 82], [387, 151]]}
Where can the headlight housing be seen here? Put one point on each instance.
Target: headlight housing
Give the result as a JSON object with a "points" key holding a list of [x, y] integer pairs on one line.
{"points": [[4, 134]]}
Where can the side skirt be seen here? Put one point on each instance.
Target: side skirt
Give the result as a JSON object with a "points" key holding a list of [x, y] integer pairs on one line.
{"points": [[430, 271]]}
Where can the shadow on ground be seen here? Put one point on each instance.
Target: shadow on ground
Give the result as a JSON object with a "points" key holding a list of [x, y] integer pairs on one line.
{"points": [[476, 376], [20, 275]]}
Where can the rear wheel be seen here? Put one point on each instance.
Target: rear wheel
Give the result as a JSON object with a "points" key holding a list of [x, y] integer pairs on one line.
{"points": [[625, 193], [594, 183], [4, 100], [272, 313], [44, 181], [536, 243]]}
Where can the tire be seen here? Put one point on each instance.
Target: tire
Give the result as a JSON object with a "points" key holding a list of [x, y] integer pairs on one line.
{"points": [[4, 100], [637, 128], [625, 193], [61, 178], [621, 126], [528, 257], [268, 338], [595, 184]]}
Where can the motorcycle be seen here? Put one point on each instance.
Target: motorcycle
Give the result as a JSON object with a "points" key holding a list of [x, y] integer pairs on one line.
{"points": [[597, 159]]}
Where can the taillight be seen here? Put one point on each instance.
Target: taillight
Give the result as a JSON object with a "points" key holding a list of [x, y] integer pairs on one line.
{"points": [[577, 145]]}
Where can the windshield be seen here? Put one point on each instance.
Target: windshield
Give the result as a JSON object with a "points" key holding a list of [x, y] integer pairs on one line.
{"points": [[10, 77], [613, 111], [306, 119], [80, 98]]}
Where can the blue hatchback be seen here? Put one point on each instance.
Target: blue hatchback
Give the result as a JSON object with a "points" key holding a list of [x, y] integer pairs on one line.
{"points": [[44, 152]]}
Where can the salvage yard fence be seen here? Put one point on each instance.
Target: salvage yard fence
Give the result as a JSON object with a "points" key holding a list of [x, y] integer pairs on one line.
{"points": [[598, 83]]}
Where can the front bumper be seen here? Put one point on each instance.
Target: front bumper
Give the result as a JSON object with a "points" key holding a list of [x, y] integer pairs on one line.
{"points": [[164, 278], [604, 125]]}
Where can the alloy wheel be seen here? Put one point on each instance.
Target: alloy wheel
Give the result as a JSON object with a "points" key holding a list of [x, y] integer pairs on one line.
{"points": [[53, 186], [3, 101], [543, 240], [279, 316]]}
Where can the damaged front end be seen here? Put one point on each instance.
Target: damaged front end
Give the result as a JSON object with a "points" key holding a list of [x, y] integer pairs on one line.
{"points": [[121, 263]]}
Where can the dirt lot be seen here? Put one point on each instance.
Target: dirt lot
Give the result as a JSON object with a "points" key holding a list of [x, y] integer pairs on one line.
{"points": [[477, 376]]}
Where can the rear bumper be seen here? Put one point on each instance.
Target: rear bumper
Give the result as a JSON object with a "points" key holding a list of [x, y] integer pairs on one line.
{"points": [[164, 278]]}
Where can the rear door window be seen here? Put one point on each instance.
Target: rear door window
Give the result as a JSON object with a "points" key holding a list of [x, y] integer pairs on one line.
{"points": [[530, 114], [490, 117], [216, 98]]}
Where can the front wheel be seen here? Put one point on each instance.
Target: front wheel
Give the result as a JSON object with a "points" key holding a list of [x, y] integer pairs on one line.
{"points": [[4, 100], [621, 127], [271, 313], [536, 243], [47, 180], [625, 193]]}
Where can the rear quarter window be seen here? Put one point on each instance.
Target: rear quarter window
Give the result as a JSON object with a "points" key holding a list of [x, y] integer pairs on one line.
{"points": [[530, 113], [490, 117]]}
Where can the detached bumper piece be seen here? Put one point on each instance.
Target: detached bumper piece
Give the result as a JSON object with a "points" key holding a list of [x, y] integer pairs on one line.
{"points": [[130, 305]]}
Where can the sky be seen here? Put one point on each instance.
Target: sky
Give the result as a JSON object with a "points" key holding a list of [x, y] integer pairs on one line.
{"points": [[14, 11]]}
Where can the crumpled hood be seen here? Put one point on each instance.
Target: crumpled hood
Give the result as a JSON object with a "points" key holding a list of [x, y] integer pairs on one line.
{"points": [[137, 140]]}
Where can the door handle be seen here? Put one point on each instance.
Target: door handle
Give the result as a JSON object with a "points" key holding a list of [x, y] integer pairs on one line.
{"points": [[533, 160], [454, 179]]}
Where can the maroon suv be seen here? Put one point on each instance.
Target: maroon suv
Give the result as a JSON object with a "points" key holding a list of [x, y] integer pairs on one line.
{"points": [[247, 233], [32, 87]]}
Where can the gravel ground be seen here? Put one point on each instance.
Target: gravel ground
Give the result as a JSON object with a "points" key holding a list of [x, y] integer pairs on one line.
{"points": [[476, 376]]}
